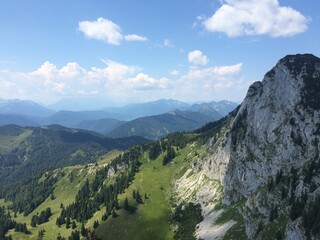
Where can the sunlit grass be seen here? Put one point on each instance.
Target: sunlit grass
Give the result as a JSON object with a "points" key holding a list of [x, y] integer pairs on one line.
{"points": [[152, 218]]}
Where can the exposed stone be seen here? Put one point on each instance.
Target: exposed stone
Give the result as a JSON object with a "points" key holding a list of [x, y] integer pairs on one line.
{"points": [[275, 129]]}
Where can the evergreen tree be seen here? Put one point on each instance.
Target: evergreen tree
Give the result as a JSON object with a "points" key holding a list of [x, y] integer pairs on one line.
{"points": [[34, 220], [68, 222], [96, 224], [138, 198], [74, 225], [114, 214], [40, 235], [134, 194], [75, 235], [126, 204], [83, 230], [169, 156]]}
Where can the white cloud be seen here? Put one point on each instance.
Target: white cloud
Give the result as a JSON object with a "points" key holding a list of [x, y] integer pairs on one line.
{"points": [[216, 73], [107, 31], [102, 29], [71, 70], [115, 71], [167, 43], [227, 70], [252, 17], [216, 82], [174, 72], [115, 81], [144, 82], [135, 37], [118, 82], [196, 57], [141, 81]]}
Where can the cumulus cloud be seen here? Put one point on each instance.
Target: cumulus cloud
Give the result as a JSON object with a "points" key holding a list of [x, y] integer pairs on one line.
{"points": [[141, 81], [252, 17], [174, 72], [144, 82], [196, 57], [216, 73], [219, 82], [49, 82], [107, 31], [102, 29], [135, 37], [71, 70]]}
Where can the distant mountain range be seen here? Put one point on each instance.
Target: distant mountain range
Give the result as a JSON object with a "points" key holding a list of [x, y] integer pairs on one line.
{"points": [[154, 127], [133, 111], [24, 108], [150, 120]]}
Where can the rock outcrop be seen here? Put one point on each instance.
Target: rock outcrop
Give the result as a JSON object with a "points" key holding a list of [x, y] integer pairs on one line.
{"points": [[275, 132]]}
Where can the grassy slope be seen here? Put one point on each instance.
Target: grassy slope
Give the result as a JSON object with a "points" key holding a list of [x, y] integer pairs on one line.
{"points": [[3, 203], [152, 218], [9, 142], [65, 191]]}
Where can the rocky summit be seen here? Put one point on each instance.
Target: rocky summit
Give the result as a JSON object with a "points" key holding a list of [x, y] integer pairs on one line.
{"points": [[264, 162]]}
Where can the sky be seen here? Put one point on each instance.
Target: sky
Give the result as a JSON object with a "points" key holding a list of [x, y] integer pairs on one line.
{"points": [[128, 51]]}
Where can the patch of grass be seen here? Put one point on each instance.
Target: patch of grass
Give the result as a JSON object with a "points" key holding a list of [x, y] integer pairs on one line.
{"points": [[109, 156], [237, 231], [8, 142], [274, 229], [231, 213], [4, 203]]}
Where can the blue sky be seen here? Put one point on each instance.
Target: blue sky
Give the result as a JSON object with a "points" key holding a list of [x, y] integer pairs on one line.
{"points": [[117, 52]]}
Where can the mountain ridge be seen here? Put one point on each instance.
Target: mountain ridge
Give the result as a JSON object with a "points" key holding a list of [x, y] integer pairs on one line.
{"points": [[274, 131]]}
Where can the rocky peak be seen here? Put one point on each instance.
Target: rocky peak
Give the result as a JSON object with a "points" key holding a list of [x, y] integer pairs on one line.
{"points": [[278, 119], [304, 68], [275, 129]]}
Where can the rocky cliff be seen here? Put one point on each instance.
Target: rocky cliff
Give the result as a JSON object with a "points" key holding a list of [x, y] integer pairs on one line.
{"points": [[263, 154]]}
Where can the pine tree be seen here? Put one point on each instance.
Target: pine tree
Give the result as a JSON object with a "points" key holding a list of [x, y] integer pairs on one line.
{"points": [[68, 222], [34, 221], [83, 230], [74, 225], [138, 198], [114, 214], [96, 224], [134, 194], [126, 204]]}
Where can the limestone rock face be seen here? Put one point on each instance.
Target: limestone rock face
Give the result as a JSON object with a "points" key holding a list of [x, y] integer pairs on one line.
{"points": [[277, 127]]}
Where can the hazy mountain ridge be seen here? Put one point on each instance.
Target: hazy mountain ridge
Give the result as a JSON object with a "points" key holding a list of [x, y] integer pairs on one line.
{"points": [[154, 127], [106, 121], [24, 108]]}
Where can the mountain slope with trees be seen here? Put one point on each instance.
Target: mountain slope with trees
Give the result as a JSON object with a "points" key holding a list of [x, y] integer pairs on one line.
{"points": [[154, 127]]}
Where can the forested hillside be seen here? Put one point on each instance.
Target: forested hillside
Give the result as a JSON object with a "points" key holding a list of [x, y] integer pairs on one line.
{"points": [[115, 189]]}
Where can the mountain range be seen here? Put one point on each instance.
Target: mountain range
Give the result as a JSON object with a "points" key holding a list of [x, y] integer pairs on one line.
{"points": [[109, 121], [154, 127]]}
